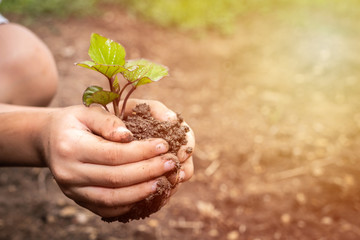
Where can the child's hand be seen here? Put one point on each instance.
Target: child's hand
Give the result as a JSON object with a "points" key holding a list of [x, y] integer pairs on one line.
{"points": [[89, 153]]}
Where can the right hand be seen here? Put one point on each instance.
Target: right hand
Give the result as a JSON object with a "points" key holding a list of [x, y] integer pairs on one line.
{"points": [[89, 152]]}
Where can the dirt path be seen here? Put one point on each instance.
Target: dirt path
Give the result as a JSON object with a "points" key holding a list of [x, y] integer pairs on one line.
{"points": [[275, 112]]}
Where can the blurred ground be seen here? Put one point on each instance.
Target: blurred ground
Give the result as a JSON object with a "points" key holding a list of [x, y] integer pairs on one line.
{"points": [[275, 111]]}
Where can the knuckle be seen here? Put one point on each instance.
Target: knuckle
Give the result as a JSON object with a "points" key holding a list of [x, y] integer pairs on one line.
{"points": [[64, 149], [116, 179], [62, 176]]}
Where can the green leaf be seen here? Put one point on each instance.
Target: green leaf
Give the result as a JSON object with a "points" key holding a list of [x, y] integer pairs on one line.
{"points": [[108, 70], [142, 81], [95, 94], [133, 73], [116, 85], [143, 71], [105, 51]]}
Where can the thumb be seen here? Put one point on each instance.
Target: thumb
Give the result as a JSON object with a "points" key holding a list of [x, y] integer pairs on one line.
{"points": [[106, 125]]}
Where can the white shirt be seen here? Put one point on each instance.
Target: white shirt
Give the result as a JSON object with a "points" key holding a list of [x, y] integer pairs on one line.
{"points": [[2, 19]]}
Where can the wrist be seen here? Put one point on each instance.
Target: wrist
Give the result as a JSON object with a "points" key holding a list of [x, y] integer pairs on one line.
{"points": [[40, 135], [22, 135]]}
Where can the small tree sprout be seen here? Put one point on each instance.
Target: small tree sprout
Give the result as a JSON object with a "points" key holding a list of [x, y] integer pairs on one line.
{"points": [[108, 58]]}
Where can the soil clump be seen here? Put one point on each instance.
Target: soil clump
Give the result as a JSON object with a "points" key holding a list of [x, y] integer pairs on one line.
{"points": [[144, 126]]}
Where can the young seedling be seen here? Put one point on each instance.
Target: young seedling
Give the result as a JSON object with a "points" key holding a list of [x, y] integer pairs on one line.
{"points": [[108, 58]]}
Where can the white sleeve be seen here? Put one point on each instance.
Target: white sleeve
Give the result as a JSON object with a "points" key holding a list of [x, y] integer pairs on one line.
{"points": [[2, 19]]}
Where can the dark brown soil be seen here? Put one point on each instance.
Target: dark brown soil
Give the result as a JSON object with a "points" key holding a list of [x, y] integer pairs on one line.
{"points": [[144, 126]]}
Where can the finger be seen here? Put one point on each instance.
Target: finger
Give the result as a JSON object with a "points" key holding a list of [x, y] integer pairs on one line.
{"points": [[157, 109], [187, 170], [106, 212], [111, 197], [127, 174], [173, 177], [187, 150], [105, 124], [104, 152]]}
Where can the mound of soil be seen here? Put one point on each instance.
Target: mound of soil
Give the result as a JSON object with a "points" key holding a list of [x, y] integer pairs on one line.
{"points": [[144, 126]]}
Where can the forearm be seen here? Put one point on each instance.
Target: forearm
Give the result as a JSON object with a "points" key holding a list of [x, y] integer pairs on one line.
{"points": [[20, 135]]}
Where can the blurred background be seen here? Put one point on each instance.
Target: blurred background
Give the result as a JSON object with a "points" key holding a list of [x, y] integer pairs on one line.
{"points": [[271, 89]]}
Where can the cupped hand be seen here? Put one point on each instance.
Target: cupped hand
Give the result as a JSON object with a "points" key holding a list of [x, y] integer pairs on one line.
{"points": [[90, 153]]}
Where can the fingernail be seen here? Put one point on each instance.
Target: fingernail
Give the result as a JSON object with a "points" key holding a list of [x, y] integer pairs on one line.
{"points": [[125, 134], [123, 130], [181, 175], [189, 150], [185, 153], [162, 147], [154, 186], [173, 177], [169, 165]]}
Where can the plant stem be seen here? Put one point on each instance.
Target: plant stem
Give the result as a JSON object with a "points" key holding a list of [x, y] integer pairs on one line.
{"points": [[125, 101], [116, 107], [122, 90], [116, 101]]}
